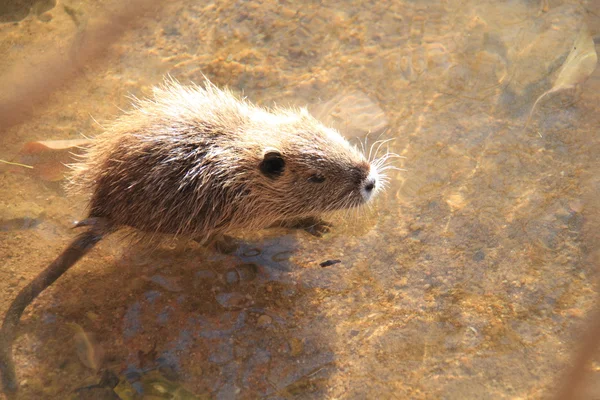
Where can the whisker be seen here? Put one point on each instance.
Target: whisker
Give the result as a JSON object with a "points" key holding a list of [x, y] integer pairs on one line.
{"points": [[381, 161], [391, 155], [383, 132], [392, 168], [381, 143], [378, 143], [370, 151], [362, 146]]}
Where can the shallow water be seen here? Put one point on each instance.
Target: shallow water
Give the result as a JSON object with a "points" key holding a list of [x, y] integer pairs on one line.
{"points": [[470, 277]]}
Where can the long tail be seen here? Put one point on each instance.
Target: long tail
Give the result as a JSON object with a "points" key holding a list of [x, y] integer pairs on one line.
{"points": [[77, 249]]}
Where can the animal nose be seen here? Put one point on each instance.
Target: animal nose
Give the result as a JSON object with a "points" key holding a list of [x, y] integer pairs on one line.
{"points": [[370, 185]]}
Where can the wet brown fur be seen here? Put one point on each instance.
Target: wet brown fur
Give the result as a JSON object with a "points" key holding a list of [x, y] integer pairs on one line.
{"points": [[188, 161]]}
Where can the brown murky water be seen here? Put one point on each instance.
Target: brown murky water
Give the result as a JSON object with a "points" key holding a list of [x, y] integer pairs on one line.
{"points": [[470, 278]]}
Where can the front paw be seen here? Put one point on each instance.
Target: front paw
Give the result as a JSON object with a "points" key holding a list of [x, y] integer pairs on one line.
{"points": [[315, 226], [225, 244]]}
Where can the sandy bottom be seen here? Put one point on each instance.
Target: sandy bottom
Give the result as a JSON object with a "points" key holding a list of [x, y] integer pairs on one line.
{"points": [[469, 278]]}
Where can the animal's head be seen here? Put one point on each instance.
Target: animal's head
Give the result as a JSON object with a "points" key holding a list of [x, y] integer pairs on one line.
{"points": [[304, 168]]}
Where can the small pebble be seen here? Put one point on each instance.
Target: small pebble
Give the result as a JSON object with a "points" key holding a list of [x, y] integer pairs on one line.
{"points": [[264, 320], [232, 277], [232, 301], [296, 347], [415, 226]]}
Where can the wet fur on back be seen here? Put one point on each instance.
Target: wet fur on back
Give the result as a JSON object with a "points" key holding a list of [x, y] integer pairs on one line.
{"points": [[187, 161]]}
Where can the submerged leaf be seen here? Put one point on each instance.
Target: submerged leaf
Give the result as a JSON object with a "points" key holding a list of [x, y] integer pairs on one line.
{"points": [[157, 386], [89, 352], [352, 113], [579, 65], [48, 158], [125, 390], [53, 145]]}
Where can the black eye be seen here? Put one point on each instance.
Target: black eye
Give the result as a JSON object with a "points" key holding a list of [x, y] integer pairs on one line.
{"points": [[272, 164], [316, 178]]}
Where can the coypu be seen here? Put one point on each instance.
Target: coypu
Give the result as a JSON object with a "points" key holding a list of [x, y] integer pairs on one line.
{"points": [[198, 161]]}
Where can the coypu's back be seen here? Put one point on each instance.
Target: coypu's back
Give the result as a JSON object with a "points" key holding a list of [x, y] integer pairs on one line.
{"points": [[199, 161]]}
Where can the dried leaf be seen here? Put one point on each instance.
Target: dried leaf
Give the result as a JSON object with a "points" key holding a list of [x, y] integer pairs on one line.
{"points": [[54, 145], [49, 157], [579, 65]]}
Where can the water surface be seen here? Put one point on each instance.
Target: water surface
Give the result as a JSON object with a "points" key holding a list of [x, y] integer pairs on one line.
{"points": [[469, 278]]}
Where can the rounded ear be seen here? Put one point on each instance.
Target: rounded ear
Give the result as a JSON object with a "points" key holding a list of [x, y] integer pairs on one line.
{"points": [[272, 164]]}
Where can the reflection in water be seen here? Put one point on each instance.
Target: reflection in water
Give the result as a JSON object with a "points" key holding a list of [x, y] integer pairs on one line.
{"points": [[470, 277]]}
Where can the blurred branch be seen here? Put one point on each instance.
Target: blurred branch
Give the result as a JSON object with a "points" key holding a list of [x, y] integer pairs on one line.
{"points": [[571, 384], [26, 87]]}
